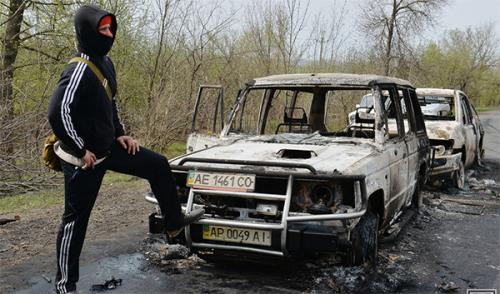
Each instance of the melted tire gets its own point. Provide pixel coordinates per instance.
(364, 241)
(417, 198)
(458, 177)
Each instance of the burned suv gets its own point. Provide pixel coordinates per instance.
(455, 131)
(289, 174)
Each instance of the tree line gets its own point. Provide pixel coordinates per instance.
(165, 49)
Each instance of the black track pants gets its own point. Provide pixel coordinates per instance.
(81, 188)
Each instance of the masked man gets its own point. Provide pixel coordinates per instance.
(92, 140)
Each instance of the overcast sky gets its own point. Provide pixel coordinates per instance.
(462, 13)
(458, 14)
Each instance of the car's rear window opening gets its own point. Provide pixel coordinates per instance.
(437, 107)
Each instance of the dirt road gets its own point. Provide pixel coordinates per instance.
(454, 242)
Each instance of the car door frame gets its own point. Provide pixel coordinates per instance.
(397, 153)
(469, 131)
(202, 139)
(476, 124)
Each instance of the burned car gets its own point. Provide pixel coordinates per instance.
(287, 174)
(454, 130)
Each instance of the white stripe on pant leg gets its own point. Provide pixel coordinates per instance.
(65, 255)
(62, 257)
(66, 259)
(61, 249)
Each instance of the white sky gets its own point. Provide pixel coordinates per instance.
(462, 13)
(458, 14)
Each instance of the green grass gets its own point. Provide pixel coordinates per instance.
(42, 199)
(487, 108)
(31, 200)
(175, 149)
(50, 197)
(113, 177)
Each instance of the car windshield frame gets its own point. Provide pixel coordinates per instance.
(379, 123)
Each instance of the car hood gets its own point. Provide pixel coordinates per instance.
(326, 155)
(442, 130)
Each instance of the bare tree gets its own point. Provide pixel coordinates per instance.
(274, 30)
(259, 30)
(394, 23)
(478, 46)
(290, 23)
(328, 35)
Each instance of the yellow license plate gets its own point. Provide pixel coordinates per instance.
(237, 235)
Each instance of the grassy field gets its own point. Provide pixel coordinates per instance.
(28, 201)
(175, 149)
(487, 108)
(46, 198)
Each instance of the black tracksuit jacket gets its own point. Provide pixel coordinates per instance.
(80, 112)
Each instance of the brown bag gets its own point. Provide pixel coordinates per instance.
(49, 157)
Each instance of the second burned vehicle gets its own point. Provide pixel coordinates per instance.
(288, 174)
(455, 131)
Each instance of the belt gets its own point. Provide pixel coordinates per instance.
(71, 159)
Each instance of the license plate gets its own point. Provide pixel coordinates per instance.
(221, 181)
(237, 235)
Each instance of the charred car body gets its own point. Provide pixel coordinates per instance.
(287, 174)
(455, 131)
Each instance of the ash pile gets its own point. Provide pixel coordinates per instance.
(170, 258)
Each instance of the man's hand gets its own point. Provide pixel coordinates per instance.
(89, 160)
(128, 143)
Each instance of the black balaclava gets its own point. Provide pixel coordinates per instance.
(90, 41)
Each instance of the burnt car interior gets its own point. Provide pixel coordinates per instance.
(308, 110)
(324, 110)
(294, 124)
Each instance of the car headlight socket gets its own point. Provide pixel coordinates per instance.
(318, 198)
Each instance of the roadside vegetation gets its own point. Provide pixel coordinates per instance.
(166, 48)
(18, 203)
(487, 108)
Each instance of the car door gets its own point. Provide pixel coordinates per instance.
(208, 118)
(469, 131)
(476, 124)
(397, 154)
(412, 144)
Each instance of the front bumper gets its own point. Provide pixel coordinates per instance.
(293, 232)
(445, 165)
(300, 239)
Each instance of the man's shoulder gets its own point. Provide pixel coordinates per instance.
(77, 68)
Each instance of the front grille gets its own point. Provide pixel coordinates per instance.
(231, 207)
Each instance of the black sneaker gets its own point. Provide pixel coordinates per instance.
(188, 219)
